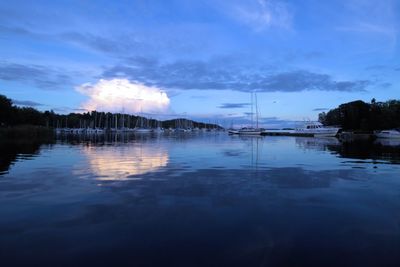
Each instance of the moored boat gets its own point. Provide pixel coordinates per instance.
(233, 131)
(142, 130)
(250, 131)
(317, 129)
(392, 134)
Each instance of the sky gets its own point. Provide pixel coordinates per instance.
(201, 60)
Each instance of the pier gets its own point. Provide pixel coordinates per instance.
(267, 133)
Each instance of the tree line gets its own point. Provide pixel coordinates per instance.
(358, 115)
(11, 115)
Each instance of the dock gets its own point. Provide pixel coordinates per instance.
(280, 133)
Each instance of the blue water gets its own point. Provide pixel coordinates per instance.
(200, 200)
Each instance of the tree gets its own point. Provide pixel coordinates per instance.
(358, 115)
(6, 110)
(322, 118)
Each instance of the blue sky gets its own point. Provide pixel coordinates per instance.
(200, 59)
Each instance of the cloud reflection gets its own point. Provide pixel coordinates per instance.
(124, 163)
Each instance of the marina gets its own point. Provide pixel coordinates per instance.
(256, 133)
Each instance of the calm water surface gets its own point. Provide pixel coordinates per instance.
(199, 200)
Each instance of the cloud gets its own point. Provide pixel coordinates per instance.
(15, 31)
(382, 68)
(385, 85)
(304, 80)
(26, 103)
(262, 14)
(238, 121)
(122, 95)
(102, 44)
(123, 43)
(42, 76)
(225, 75)
(362, 27)
(11, 71)
(105, 44)
(320, 109)
(234, 105)
(377, 67)
(80, 109)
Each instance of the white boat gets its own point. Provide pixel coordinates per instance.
(250, 131)
(317, 129)
(78, 130)
(392, 134)
(142, 130)
(233, 131)
(158, 130)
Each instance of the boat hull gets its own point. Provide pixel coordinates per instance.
(142, 130)
(325, 132)
(249, 132)
(388, 135)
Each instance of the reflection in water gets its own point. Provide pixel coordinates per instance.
(254, 144)
(206, 199)
(368, 150)
(13, 150)
(388, 142)
(124, 162)
(316, 143)
(381, 149)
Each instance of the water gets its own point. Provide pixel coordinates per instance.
(199, 200)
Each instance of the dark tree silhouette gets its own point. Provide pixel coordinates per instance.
(358, 115)
(6, 110)
(11, 115)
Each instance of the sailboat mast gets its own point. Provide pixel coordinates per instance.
(255, 98)
(251, 113)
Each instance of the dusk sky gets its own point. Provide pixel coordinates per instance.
(200, 59)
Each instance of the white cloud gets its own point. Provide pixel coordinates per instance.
(117, 95)
(262, 14)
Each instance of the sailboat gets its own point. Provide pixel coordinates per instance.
(141, 127)
(158, 128)
(252, 130)
(232, 130)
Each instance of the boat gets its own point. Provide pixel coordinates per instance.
(252, 130)
(142, 126)
(94, 131)
(392, 134)
(233, 131)
(317, 129)
(142, 130)
(158, 130)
